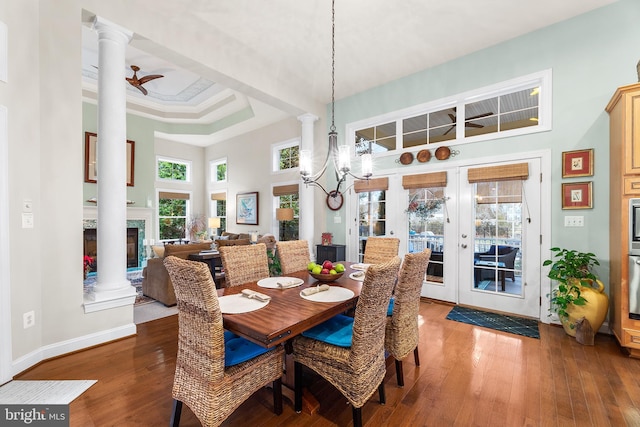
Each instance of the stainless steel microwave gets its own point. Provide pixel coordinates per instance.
(634, 226)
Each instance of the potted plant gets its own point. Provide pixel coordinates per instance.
(579, 292)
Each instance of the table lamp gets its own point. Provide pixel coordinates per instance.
(214, 224)
(282, 215)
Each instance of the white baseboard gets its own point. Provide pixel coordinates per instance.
(52, 350)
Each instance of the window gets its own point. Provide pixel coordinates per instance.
(219, 209)
(173, 209)
(174, 170)
(218, 170)
(514, 107)
(376, 139)
(286, 155)
(287, 197)
(289, 230)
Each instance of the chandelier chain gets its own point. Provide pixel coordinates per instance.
(333, 64)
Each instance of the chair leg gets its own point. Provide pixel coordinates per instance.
(297, 388)
(357, 416)
(416, 356)
(399, 373)
(277, 396)
(383, 398)
(176, 411)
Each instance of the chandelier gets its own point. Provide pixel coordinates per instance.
(340, 157)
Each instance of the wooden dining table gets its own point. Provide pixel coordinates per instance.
(287, 314)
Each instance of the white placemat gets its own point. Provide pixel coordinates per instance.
(357, 275)
(234, 304)
(334, 294)
(360, 267)
(272, 282)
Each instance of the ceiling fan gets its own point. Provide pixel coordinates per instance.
(467, 122)
(138, 82)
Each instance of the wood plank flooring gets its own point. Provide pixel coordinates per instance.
(469, 376)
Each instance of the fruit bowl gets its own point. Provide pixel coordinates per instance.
(326, 277)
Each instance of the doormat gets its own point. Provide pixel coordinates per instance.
(43, 392)
(500, 322)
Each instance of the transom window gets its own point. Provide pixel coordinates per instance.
(509, 108)
(174, 170)
(286, 155)
(218, 170)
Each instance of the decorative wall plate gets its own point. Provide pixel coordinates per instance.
(423, 156)
(406, 158)
(443, 153)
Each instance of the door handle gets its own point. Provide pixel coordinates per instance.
(463, 246)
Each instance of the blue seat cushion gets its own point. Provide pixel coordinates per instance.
(390, 306)
(238, 349)
(336, 331)
(229, 335)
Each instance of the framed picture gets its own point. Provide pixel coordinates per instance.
(90, 159)
(577, 195)
(577, 163)
(247, 208)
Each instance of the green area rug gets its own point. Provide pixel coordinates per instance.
(500, 322)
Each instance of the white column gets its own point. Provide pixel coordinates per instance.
(305, 194)
(112, 280)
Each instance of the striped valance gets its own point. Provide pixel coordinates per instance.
(499, 173)
(285, 190)
(173, 195)
(376, 184)
(424, 180)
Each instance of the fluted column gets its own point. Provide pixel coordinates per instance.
(112, 280)
(305, 194)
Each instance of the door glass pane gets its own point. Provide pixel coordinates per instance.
(498, 237)
(372, 217)
(426, 216)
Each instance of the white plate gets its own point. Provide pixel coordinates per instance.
(334, 294)
(272, 282)
(234, 304)
(361, 267)
(357, 276)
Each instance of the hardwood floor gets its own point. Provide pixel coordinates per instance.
(469, 376)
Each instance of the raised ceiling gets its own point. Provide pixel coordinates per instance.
(289, 41)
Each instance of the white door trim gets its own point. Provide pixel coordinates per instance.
(5, 277)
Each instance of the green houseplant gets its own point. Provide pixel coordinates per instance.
(579, 292)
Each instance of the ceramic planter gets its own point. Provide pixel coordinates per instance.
(595, 309)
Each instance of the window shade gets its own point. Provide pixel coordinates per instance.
(218, 196)
(499, 173)
(376, 184)
(424, 180)
(170, 195)
(285, 190)
(501, 192)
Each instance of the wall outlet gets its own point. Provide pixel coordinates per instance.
(29, 319)
(574, 221)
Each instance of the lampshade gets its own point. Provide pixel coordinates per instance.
(284, 214)
(214, 222)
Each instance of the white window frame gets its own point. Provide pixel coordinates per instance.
(543, 79)
(213, 208)
(188, 163)
(275, 154)
(213, 166)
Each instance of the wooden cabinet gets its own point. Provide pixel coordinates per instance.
(624, 146)
(332, 253)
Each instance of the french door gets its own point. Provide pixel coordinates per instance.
(499, 237)
(482, 224)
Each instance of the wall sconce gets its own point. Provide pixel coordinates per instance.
(282, 215)
(214, 224)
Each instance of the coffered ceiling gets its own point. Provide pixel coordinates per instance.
(288, 44)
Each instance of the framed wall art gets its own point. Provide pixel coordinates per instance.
(577, 195)
(577, 163)
(247, 208)
(90, 159)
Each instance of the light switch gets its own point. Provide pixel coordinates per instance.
(27, 220)
(27, 205)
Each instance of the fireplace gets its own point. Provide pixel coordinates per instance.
(90, 246)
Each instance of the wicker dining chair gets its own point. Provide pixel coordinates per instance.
(355, 368)
(380, 249)
(293, 255)
(216, 371)
(401, 335)
(244, 264)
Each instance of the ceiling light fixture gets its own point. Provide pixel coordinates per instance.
(339, 156)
